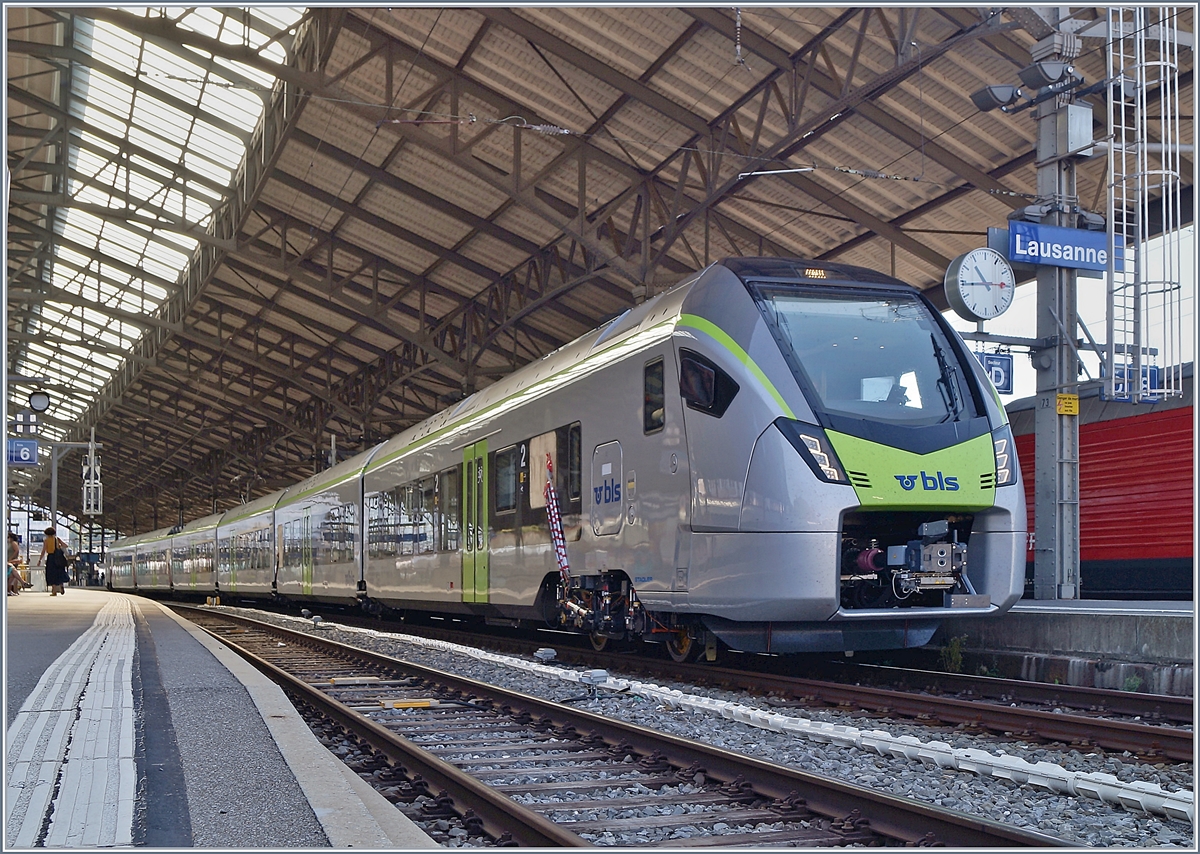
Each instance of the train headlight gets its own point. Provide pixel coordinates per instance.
(1006, 456)
(814, 447)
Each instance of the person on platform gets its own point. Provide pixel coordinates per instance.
(15, 582)
(54, 551)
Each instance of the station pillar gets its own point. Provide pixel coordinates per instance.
(1056, 426)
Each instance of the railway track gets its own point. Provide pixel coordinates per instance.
(1085, 718)
(535, 773)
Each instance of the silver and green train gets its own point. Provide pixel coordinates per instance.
(779, 455)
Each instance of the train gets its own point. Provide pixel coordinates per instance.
(775, 455)
(1136, 495)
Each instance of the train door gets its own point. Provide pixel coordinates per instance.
(278, 556)
(307, 557)
(475, 523)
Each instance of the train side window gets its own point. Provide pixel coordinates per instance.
(449, 508)
(574, 467)
(540, 447)
(654, 410)
(422, 516)
(505, 471)
(406, 505)
(380, 521)
(703, 385)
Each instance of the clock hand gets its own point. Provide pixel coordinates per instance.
(983, 278)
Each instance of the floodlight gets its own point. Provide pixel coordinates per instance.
(1044, 73)
(993, 97)
(39, 401)
(1032, 213)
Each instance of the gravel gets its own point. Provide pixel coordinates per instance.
(1079, 820)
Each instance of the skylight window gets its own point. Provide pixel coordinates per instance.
(159, 130)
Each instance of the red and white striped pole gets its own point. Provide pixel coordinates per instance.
(556, 529)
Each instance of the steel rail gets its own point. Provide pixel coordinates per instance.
(498, 813)
(903, 819)
(1071, 729)
(1145, 740)
(1099, 700)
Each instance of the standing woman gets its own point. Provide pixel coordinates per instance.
(15, 583)
(55, 553)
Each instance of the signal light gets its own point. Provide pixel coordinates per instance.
(820, 457)
(811, 443)
(1006, 456)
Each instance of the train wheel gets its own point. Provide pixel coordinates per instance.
(683, 647)
(599, 642)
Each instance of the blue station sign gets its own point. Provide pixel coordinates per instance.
(1123, 391)
(1031, 243)
(22, 452)
(999, 368)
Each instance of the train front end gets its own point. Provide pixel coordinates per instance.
(883, 495)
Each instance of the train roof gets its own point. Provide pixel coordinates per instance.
(141, 539)
(202, 524)
(814, 272)
(330, 477)
(251, 508)
(589, 351)
(155, 536)
(600, 345)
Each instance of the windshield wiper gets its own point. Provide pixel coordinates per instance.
(948, 384)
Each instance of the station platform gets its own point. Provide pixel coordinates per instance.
(1144, 646)
(120, 731)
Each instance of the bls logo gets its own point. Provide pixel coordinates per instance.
(908, 482)
(609, 491)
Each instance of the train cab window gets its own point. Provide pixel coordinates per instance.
(703, 385)
(654, 410)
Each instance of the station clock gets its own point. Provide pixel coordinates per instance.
(980, 284)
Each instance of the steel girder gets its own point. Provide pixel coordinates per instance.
(658, 225)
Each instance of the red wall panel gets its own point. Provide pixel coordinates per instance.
(1136, 486)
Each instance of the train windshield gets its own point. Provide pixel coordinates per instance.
(873, 355)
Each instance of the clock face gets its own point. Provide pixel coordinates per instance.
(980, 285)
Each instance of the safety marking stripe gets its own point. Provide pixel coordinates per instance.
(71, 747)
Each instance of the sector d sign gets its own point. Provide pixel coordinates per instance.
(999, 367)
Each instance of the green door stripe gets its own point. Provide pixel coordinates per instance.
(722, 337)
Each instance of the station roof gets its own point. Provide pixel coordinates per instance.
(235, 232)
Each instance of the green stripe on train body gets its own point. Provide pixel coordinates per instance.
(949, 479)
